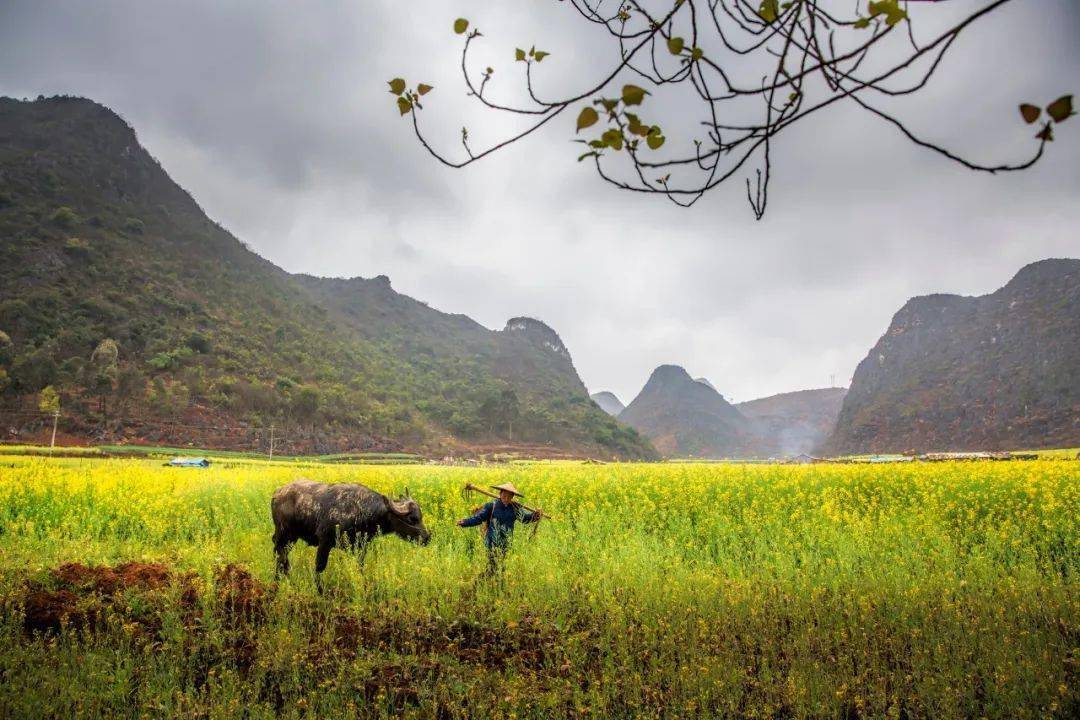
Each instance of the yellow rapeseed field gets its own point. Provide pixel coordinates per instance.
(945, 590)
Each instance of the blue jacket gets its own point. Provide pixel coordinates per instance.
(500, 519)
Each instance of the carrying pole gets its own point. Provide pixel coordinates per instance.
(482, 491)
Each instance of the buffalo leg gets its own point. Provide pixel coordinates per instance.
(281, 550)
(322, 556)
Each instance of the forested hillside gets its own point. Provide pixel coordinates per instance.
(117, 291)
(999, 371)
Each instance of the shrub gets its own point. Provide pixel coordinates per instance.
(135, 226)
(64, 217)
(198, 342)
(77, 246)
(170, 360)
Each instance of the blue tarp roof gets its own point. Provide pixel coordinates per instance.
(189, 462)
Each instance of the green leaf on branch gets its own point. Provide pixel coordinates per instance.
(890, 9)
(654, 141)
(519, 55)
(613, 139)
(635, 125)
(862, 23)
(633, 95)
(404, 105)
(540, 55)
(696, 54)
(769, 10)
(461, 25)
(586, 118)
(397, 86)
(591, 153)
(675, 45)
(424, 89)
(1046, 134)
(608, 104)
(1060, 108)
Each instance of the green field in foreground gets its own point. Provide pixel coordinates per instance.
(944, 590)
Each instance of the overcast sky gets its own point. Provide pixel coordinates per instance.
(276, 117)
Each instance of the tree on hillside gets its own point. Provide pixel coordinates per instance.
(499, 412)
(130, 388)
(754, 68)
(305, 404)
(49, 400)
(102, 372)
(6, 355)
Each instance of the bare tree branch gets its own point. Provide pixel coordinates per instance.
(813, 57)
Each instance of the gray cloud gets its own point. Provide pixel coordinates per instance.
(275, 117)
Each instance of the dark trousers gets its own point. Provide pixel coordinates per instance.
(496, 561)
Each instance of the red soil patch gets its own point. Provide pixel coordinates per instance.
(47, 611)
(81, 596)
(242, 599)
(110, 580)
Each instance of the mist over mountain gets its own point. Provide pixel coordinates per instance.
(608, 402)
(793, 423)
(995, 372)
(687, 418)
(998, 371)
(99, 248)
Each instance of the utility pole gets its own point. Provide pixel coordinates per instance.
(55, 420)
(271, 442)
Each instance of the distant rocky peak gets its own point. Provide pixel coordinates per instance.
(670, 373)
(1042, 272)
(538, 333)
(705, 381)
(675, 376)
(608, 402)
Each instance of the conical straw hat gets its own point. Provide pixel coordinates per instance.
(509, 487)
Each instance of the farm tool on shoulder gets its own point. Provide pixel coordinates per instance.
(471, 488)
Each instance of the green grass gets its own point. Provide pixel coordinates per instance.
(944, 590)
(168, 452)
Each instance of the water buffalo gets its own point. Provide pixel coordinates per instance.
(320, 514)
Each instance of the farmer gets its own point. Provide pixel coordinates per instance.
(500, 516)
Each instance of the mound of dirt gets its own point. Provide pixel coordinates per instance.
(47, 611)
(241, 598)
(111, 580)
(80, 596)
